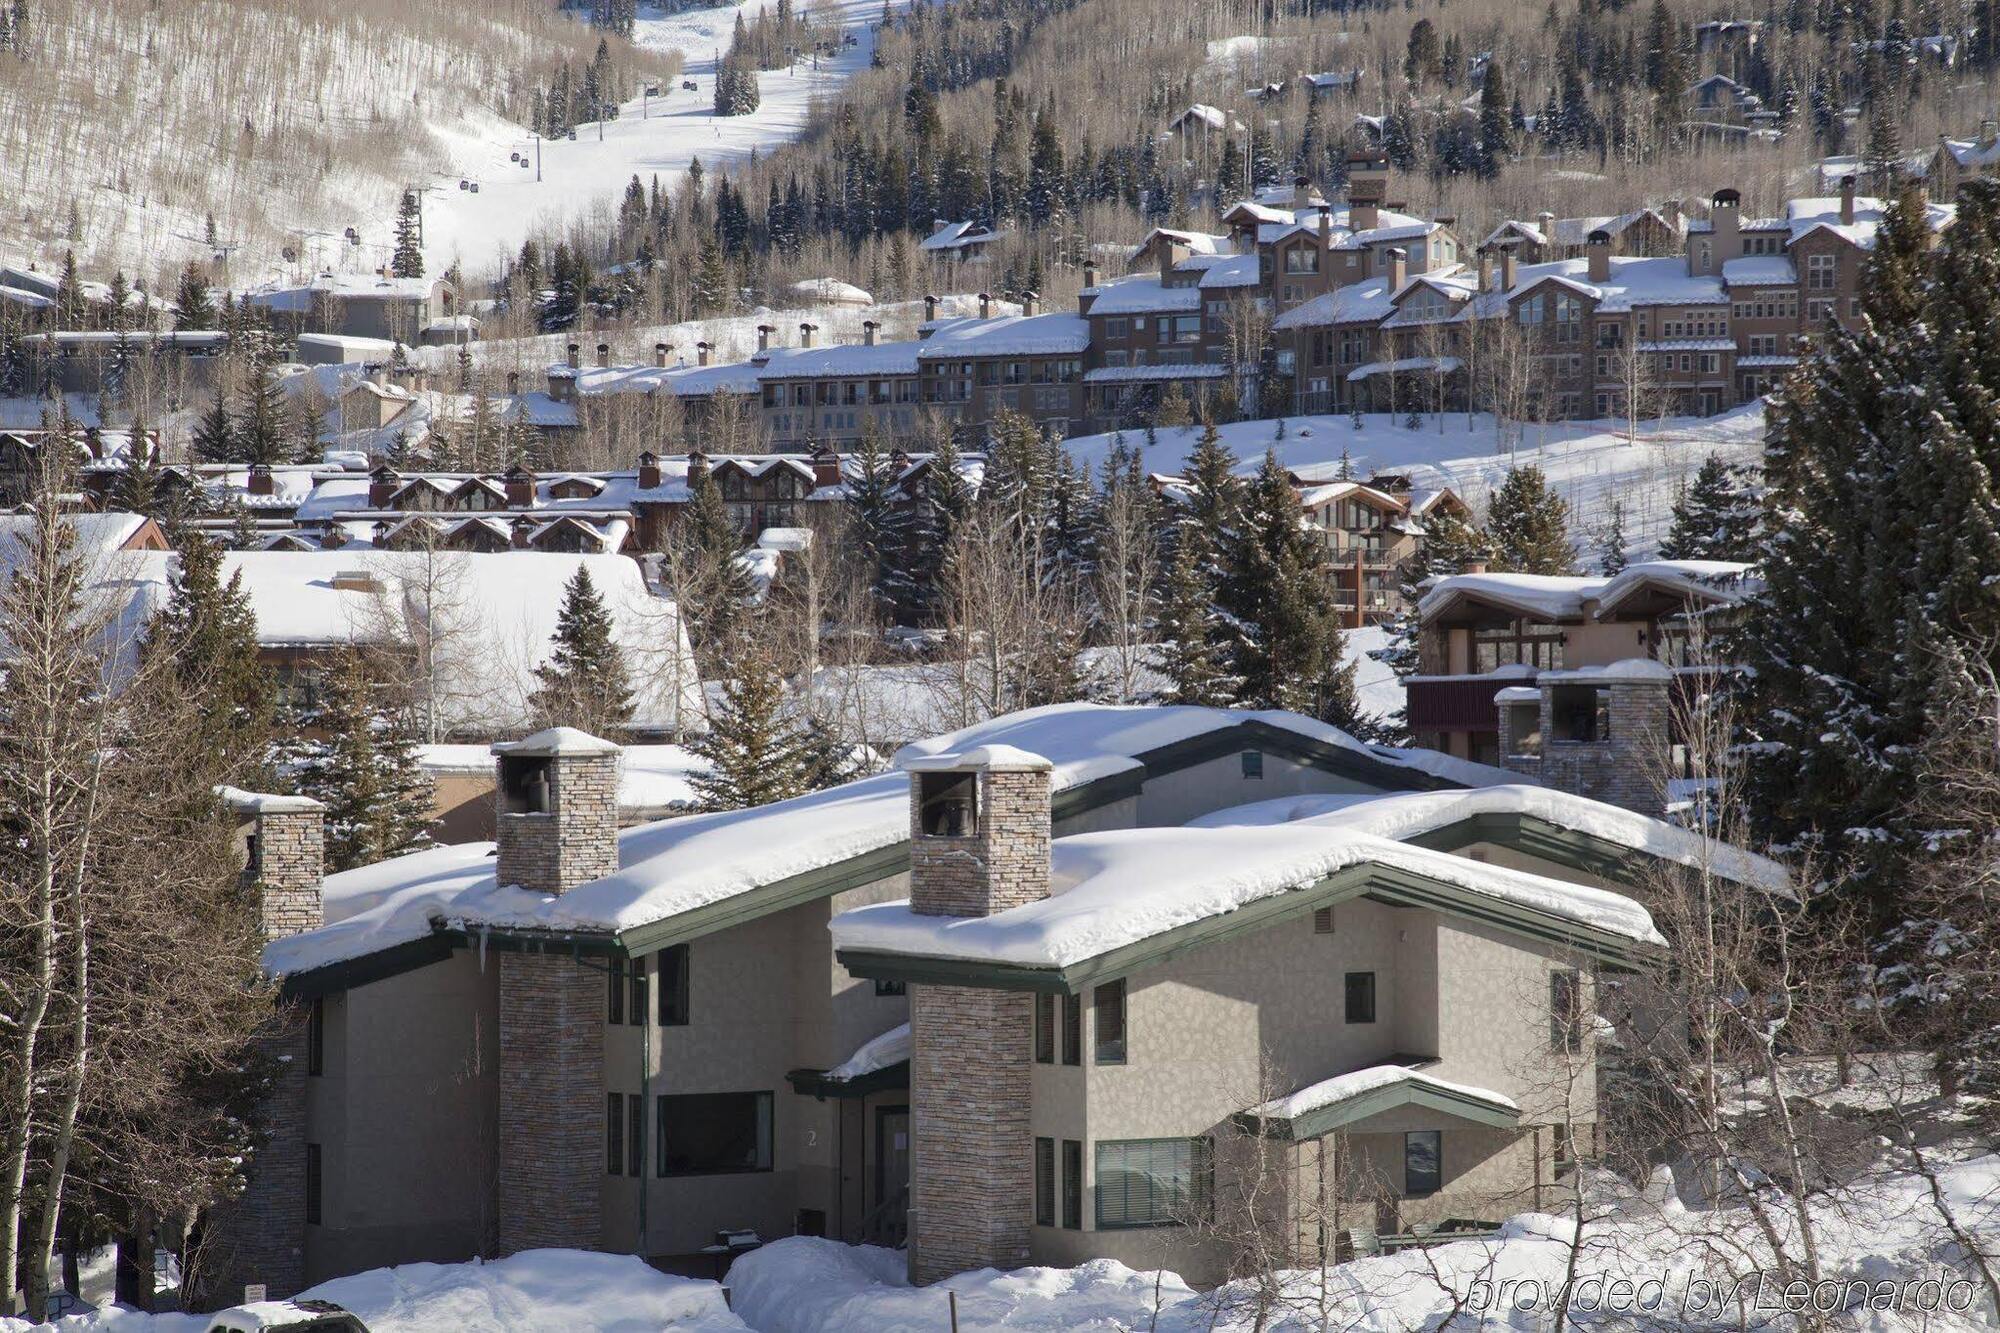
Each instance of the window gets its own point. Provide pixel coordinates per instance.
(635, 1134)
(614, 1133)
(1423, 1155)
(313, 1197)
(1109, 1002)
(674, 986)
(615, 1010)
(1253, 763)
(638, 1006)
(1302, 259)
(1072, 1006)
(1045, 1029)
(1323, 921)
(1045, 1182)
(1820, 272)
(887, 988)
(712, 1133)
(1072, 1184)
(316, 1038)
(1580, 713)
(1565, 1011)
(1361, 997)
(948, 805)
(1151, 1182)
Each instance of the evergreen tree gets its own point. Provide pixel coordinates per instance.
(878, 526)
(260, 433)
(1611, 540)
(361, 763)
(1190, 653)
(408, 261)
(1528, 525)
(584, 683)
(193, 307)
(208, 632)
(1495, 133)
(215, 435)
(755, 748)
(1715, 518)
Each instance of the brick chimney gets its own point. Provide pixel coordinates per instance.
(1090, 272)
(649, 470)
(868, 327)
(603, 355)
(1598, 249)
(260, 482)
(382, 485)
(521, 533)
(513, 382)
(764, 332)
(284, 846)
(1485, 268)
(930, 308)
(979, 844)
(573, 356)
(1399, 266)
(1506, 268)
(826, 467)
(806, 331)
(701, 351)
(660, 352)
(556, 808)
(985, 306)
(1847, 200)
(1031, 302)
(520, 487)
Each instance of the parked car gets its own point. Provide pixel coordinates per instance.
(292, 1316)
(688, 86)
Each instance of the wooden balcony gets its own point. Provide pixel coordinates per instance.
(1456, 703)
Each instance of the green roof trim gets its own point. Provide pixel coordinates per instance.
(1393, 885)
(435, 947)
(815, 1083)
(1323, 1120)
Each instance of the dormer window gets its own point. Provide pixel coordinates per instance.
(948, 805)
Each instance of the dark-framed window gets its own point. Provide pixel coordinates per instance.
(313, 1182)
(1152, 1182)
(1423, 1162)
(316, 1036)
(637, 1009)
(1109, 1002)
(1565, 1011)
(1045, 1182)
(674, 986)
(886, 988)
(614, 1133)
(1072, 1184)
(614, 1011)
(1072, 1036)
(712, 1133)
(1361, 997)
(635, 1134)
(1045, 1029)
(1253, 763)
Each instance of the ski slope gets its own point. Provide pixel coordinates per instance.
(661, 136)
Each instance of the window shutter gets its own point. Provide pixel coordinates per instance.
(1323, 921)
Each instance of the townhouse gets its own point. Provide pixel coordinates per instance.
(649, 1041)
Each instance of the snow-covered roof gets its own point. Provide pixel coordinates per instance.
(97, 534)
(829, 291)
(1357, 302)
(679, 865)
(1142, 294)
(1563, 597)
(883, 358)
(1006, 335)
(1759, 271)
(1186, 370)
(958, 236)
(1347, 1087)
(1441, 365)
(875, 1054)
(1224, 271)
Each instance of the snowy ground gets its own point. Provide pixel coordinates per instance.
(652, 136)
(1590, 464)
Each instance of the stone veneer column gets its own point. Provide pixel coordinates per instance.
(972, 1153)
(260, 1236)
(575, 838)
(551, 1142)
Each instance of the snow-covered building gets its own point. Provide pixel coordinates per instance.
(1644, 231)
(632, 1040)
(367, 305)
(958, 240)
(1580, 682)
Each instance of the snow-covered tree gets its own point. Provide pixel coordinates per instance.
(408, 260)
(1528, 525)
(584, 684)
(1715, 518)
(361, 763)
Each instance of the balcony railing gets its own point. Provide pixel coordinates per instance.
(1456, 703)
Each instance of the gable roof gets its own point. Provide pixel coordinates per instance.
(1320, 1108)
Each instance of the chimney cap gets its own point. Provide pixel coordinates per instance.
(266, 803)
(648, 456)
(983, 758)
(554, 742)
(1725, 199)
(1598, 236)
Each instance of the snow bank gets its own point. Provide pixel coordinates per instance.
(536, 1289)
(805, 1285)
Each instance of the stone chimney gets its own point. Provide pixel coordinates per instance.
(1598, 248)
(1367, 187)
(764, 332)
(1545, 223)
(806, 331)
(1989, 132)
(1090, 272)
(1474, 566)
(660, 351)
(1399, 264)
(1031, 303)
(868, 327)
(649, 470)
(284, 861)
(701, 351)
(979, 844)
(603, 355)
(930, 308)
(520, 486)
(1847, 200)
(985, 306)
(556, 808)
(1725, 215)
(1301, 192)
(1485, 268)
(382, 485)
(1506, 268)
(573, 355)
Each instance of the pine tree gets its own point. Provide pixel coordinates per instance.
(1528, 525)
(878, 526)
(208, 631)
(755, 748)
(193, 307)
(358, 758)
(408, 261)
(215, 435)
(260, 433)
(1190, 653)
(1611, 540)
(138, 489)
(1715, 518)
(584, 684)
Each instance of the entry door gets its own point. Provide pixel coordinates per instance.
(892, 1151)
